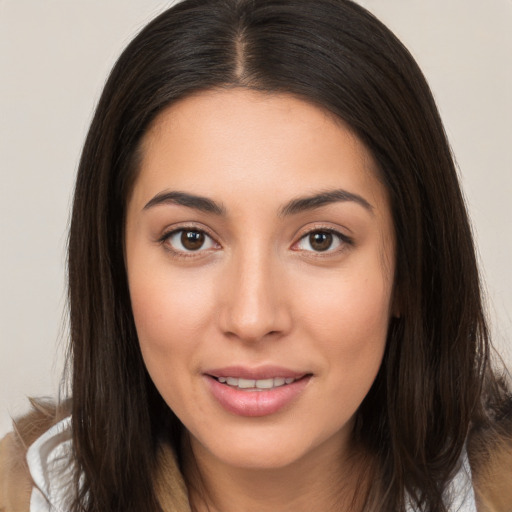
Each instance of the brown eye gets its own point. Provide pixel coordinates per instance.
(320, 240)
(192, 240)
(189, 240)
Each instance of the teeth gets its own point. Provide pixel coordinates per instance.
(266, 383)
(256, 384)
(246, 383)
(279, 381)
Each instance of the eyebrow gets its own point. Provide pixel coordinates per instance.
(303, 204)
(293, 207)
(189, 200)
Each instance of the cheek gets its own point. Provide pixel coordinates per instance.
(348, 320)
(170, 312)
(352, 309)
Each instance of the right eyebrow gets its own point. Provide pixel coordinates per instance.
(302, 204)
(189, 200)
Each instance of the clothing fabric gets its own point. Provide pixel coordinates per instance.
(49, 462)
(50, 465)
(460, 494)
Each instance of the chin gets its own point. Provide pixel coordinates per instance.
(259, 457)
(268, 448)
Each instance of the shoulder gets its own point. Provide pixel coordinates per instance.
(490, 455)
(16, 482)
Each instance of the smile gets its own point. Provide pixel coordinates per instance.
(256, 384)
(256, 392)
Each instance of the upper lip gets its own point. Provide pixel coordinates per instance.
(256, 373)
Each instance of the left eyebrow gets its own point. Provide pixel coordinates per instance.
(303, 204)
(200, 203)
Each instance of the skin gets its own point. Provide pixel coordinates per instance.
(258, 292)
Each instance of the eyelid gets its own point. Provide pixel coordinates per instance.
(344, 239)
(173, 230)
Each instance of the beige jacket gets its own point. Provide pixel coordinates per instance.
(16, 483)
(491, 469)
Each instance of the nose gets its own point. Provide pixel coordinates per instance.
(254, 299)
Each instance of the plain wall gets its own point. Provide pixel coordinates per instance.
(54, 58)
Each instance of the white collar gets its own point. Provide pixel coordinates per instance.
(460, 493)
(49, 461)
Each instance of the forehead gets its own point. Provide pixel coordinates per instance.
(244, 141)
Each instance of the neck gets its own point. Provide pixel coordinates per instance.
(327, 479)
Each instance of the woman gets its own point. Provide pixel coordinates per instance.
(274, 296)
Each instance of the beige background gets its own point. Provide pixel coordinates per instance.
(54, 58)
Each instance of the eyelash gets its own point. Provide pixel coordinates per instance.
(177, 253)
(343, 241)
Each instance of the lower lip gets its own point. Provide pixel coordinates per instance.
(256, 403)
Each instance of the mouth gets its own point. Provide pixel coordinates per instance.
(256, 384)
(256, 392)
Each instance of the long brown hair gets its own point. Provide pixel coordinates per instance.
(429, 390)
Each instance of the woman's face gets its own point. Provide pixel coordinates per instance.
(260, 258)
